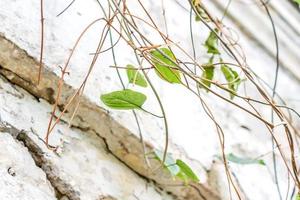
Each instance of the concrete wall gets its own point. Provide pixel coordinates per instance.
(100, 156)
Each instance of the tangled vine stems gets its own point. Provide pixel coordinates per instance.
(120, 20)
(267, 98)
(274, 92)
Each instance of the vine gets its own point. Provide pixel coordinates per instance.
(174, 65)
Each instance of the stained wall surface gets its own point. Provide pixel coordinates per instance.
(100, 155)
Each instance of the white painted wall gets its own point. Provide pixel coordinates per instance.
(193, 135)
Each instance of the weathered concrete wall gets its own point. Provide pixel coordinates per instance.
(83, 168)
(101, 155)
(91, 119)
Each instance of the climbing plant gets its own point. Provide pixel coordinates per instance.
(175, 65)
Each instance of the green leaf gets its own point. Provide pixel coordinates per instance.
(186, 172)
(177, 169)
(211, 43)
(208, 73)
(201, 14)
(244, 161)
(182, 176)
(135, 77)
(124, 99)
(298, 195)
(169, 163)
(164, 65)
(298, 2)
(232, 78)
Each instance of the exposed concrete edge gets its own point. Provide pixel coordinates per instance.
(22, 69)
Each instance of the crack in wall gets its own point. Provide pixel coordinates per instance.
(61, 188)
(106, 198)
(63, 191)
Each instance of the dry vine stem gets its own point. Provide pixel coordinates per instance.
(120, 20)
(42, 40)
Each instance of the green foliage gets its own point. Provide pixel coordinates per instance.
(211, 43)
(208, 73)
(186, 171)
(135, 77)
(298, 197)
(202, 15)
(177, 169)
(231, 76)
(124, 99)
(233, 79)
(169, 163)
(298, 2)
(244, 161)
(165, 65)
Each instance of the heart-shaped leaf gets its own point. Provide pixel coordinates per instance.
(165, 65)
(211, 43)
(232, 78)
(135, 77)
(177, 169)
(208, 73)
(169, 163)
(244, 161)
(186, 172)
(124, 99)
